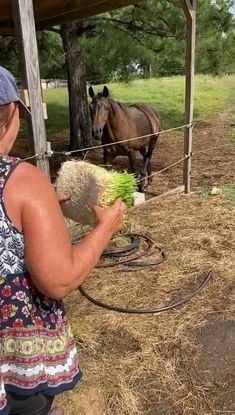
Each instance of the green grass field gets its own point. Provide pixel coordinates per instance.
(212, 95)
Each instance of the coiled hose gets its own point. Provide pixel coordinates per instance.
(129, 256)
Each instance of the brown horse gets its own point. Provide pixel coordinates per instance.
(113, 122)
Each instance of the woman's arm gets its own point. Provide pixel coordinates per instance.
(55, 265)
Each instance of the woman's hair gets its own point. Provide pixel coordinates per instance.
(5, 117)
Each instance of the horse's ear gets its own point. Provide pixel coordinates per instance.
(91, 92)
(105, 92)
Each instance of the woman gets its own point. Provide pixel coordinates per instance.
(38, 267)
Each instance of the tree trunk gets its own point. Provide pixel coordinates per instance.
(79, 116)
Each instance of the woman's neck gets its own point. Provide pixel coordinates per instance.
(4, 147)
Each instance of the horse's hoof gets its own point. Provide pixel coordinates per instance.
(57, 411)
(148, 185)
(140, 188)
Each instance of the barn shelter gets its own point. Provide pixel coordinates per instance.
(22, 18)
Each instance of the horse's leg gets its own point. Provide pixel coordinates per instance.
(132, 156)
(148, 157)
(144, 153)
(140, 181)
(107, 158)
(143, 174)
(149, 170)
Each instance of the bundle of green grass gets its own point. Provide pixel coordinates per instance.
(87, 185)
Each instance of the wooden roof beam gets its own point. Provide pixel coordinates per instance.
(45, 19)
(83, 12)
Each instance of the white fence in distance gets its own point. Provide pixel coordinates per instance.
(54, 83)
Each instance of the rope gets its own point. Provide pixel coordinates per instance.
(153, 174)
(192, 124)
(185, 157)
(68, 153)
(165, 168)
(31, 157)
(226, 162)
(87, 149)
(110, 144)
(160, 171)
(213, 148)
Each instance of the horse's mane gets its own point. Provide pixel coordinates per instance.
(149, 112)
(114, 104)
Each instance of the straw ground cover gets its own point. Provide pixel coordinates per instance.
(179, 362)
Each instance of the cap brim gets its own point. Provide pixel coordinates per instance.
(24, 107)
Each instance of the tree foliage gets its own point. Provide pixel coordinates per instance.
(51, 55)
(145, 39)
(215, 37)
(148, 39)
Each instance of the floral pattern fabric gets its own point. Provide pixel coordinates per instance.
(11, 240)
(37, 349)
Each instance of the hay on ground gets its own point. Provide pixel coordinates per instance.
(148, 364)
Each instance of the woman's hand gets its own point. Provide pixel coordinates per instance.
(62, 198)
(112, 216)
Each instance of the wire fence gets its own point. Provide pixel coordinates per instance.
(85, 150)
(165, 168)
(68, 153)
(187, 156)
(32, 157)
(194, 124)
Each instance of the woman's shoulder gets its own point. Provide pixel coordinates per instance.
(27, 182)
(29, 175)
(25, 168)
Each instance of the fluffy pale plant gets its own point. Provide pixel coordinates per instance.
(87, 185)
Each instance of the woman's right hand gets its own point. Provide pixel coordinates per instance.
(111, 216)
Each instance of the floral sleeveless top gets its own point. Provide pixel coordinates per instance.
(37, 349)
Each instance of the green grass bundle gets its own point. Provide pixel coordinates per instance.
(88, 184)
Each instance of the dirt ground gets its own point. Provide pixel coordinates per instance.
(179, 362)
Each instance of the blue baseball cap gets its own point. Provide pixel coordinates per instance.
(8, 89)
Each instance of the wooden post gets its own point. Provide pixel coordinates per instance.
(189, 7)
(28, 52)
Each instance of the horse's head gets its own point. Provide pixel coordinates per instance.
(99, 108)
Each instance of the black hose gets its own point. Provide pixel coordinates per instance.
(120, 252)
(131, 264)
(148, 310)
